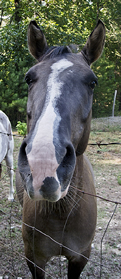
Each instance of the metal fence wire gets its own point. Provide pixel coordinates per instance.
(100, 265)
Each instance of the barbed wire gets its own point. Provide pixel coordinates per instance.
(103, 144)
(101, 249)
(97, 196)
(98, 143)
(11, 134)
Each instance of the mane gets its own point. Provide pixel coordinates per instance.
(56, 51)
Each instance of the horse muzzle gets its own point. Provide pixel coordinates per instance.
(45, 176)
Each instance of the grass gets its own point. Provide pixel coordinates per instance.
(106, 124)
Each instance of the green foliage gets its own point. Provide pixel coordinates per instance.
(104, 92)
(63, 22)
(21, 128)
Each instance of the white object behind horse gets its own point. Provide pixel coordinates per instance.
(6, 148)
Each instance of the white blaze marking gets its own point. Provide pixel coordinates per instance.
(42, 159)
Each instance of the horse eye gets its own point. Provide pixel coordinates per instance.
(28, 80)
(93, 84)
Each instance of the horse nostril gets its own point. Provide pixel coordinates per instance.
(23, 165)
(22, 155)
(66, 168)
(69, 158)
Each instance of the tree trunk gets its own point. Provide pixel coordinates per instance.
(17, 13)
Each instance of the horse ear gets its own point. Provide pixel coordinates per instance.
(95, 43)
(36, 40)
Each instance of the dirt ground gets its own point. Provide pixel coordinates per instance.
(104, 262)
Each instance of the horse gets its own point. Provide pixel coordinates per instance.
(6, 149)
(54, 173)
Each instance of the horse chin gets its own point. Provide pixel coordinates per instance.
(64, 193)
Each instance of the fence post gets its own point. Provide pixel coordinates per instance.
(114, 103)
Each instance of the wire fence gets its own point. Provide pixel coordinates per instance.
(100, 263)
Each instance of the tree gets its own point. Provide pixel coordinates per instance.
(14, 62)
(63, 22)
(108, 68)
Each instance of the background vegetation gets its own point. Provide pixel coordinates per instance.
(63, 22)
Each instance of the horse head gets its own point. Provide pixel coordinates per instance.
(60, 96)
